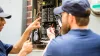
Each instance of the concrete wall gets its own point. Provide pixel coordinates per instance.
(12, 29)
(16, 25)
(95, 23)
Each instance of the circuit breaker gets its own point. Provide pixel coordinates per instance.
(44, 9)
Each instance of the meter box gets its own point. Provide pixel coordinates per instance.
(44, 9)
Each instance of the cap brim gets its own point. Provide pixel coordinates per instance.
(4, 15)
(58, 10)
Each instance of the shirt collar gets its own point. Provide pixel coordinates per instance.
(80, 31)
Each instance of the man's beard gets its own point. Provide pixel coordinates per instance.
(65, 30)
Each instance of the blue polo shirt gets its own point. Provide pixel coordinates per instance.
(75, 43)
(5, 49)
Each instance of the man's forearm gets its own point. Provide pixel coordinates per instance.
(24, 37)
(17, 47)
(21, 53)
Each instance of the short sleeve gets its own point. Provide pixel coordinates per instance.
(8, 47)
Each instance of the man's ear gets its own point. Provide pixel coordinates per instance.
(74, 20)
(70, 18)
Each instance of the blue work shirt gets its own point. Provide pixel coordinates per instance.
(5, 49)
(75, 43)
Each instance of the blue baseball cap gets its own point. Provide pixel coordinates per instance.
(4, 15)
(74, 7)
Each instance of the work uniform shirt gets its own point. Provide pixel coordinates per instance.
(5, 49)
(75, 43)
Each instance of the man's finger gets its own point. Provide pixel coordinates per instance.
(48, 31)
(27, 41)
(52, 30)
(30, 42)
(37, 19)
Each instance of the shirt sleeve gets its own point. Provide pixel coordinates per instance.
(8, 47)
(50, 49)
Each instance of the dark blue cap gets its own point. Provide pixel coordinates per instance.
(74, 7)
(4, 15)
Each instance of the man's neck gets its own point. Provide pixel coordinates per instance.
(77, 27)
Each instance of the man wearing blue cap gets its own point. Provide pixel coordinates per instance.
(79, 40)
(19, 47)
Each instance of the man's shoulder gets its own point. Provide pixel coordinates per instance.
(58, 43)
(63, 37)
(95, 35)
(1, 43)
(59, 40)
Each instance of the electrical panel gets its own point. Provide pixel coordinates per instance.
(44, 9)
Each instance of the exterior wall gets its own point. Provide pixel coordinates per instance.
(29, 12)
